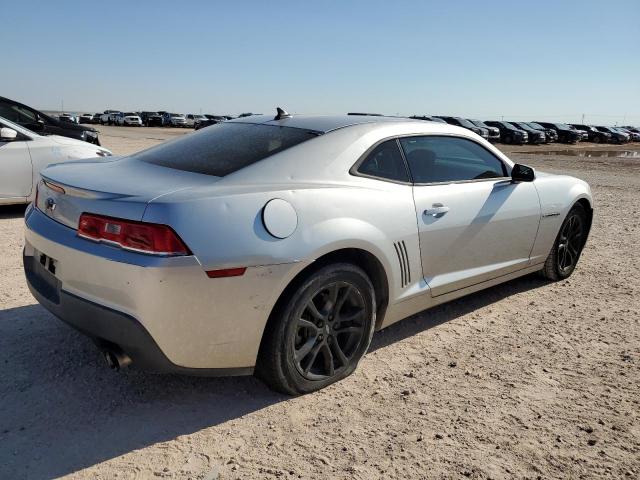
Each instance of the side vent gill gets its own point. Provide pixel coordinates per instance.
(403, 260)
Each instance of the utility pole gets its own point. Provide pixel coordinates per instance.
(582, 119)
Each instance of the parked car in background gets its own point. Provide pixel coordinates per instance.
(68, 118)
(192, 118)
(108, 117)
(173, 120)
(536, 137)
(566, 134)
(128, 119)
(633, 136)
(151, 119)
(494, 132)
(616, 137)
(85, 118)
(209, 120)
(24, 153)
(427, 118)
(96, 118)
(550, 133)
(631, 128)
(593, 134)
(464, 123)
(43, 124)
(248, 250)
(509, 133)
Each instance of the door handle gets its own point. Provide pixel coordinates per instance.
(436, 210)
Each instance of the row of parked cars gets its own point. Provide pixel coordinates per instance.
(519, 133)
(153, 119)
(492, 130)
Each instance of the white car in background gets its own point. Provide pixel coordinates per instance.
(174, 119)
(192, 118)
(24, 153)
(128, 119)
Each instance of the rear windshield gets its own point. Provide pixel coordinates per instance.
(224, 148)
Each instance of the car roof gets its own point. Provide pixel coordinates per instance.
(321, 123)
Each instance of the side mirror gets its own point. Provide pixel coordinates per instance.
(522, 173)
(39, 126)
(8, 134)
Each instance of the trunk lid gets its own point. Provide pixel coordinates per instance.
(115, 187)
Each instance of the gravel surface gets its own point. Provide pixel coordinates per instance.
(524, 380)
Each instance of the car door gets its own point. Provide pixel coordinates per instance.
(474, 223)
(15, 169)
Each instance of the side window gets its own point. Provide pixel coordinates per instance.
(385, 161)
(16, 114)
(7, 112)
(25, 116)
(434, 159)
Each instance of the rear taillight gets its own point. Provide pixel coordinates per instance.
(150, 238)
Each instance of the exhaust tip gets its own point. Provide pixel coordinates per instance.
(116, 359)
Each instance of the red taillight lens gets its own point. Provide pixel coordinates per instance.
(142, 237)
(227, 272)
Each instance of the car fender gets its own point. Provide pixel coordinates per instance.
(558, 194)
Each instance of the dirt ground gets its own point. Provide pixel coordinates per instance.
(524, 380)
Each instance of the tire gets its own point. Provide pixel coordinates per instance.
(309, 342)
(564, 255)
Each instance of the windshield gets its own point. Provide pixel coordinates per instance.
(465, 123)
(224, 148)
(174, 115)
(131, 114)
(508, 125)
(479, 123)
(25, 131)
(536, 126)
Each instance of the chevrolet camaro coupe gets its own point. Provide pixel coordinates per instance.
(278, 245)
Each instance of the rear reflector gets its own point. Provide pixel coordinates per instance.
(227, 272)
(150, 238)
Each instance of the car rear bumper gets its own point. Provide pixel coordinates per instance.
(164, 312)
(109, 328)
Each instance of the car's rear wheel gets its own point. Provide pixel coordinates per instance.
(564, 255)
(320, 332)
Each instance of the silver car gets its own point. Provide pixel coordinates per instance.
(278, 245)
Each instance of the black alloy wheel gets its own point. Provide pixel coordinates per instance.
(564, 255)
(319, 330)
(570, 243)
(329, 329)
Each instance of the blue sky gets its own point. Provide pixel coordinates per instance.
(539, 59)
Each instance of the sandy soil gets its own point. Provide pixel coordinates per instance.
(525, 380)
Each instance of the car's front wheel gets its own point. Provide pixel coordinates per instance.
(564, 255)
(320, 332)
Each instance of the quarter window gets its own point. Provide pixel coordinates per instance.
(434, 159)
(385, 161)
